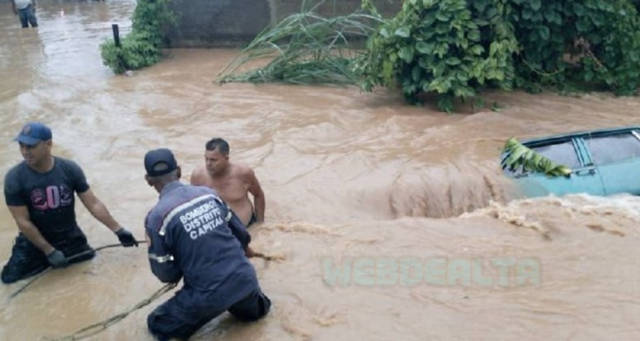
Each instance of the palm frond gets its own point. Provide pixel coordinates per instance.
(304, 48)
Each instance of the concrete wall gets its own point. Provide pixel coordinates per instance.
(216, 23)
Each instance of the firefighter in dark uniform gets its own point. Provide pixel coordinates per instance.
(193, 235)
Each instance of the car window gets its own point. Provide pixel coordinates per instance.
(562, 153)
(613, 148)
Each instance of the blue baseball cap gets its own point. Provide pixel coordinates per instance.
(32, 133)
(159, 162)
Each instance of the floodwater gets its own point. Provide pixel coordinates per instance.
(391, 222)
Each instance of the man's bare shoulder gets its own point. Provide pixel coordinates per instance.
(199, 176)
(242, 170)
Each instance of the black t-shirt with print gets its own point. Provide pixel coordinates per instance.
(49, 197)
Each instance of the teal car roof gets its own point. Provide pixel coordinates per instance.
(562, 137)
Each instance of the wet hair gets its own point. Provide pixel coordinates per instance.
(218, 143)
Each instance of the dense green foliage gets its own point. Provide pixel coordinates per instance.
(587, 44)
(456, 48)
(141, 47)
(446, 46)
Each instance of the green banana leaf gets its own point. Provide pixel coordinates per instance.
(517, 155)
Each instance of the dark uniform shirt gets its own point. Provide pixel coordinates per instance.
(49, 198)
(194, 235)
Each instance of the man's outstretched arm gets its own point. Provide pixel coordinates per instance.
(100, 212)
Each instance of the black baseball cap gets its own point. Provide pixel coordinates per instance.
(33, 133)
(159, 162)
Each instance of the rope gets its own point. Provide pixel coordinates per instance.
(103, 325)
(77, 255)
(99, 327)
(267, 257)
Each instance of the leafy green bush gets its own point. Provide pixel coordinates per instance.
(607, 34)
(141, 47)
(456, 48)
(448, 47)
(542, 42)
(588, 44)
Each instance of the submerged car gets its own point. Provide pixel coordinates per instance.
(602, 162)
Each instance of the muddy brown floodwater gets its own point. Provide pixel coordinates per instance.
(393, 222)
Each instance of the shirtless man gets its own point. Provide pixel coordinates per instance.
(232, 181)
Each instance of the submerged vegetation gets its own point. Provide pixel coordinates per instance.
(457, 48)
(141, 47)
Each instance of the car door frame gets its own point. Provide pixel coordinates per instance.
(602, 169)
